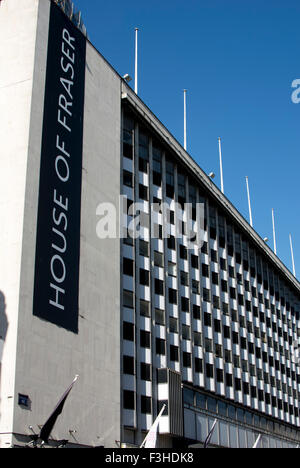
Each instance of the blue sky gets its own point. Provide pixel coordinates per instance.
(238, 60)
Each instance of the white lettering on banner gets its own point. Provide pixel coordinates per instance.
(59, 245)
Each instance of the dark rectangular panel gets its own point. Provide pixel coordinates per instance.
(56, 288)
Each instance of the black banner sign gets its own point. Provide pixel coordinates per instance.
(58, 229)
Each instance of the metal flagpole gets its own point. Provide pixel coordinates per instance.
(221, 165)
(257, 442)
(136, 61)
(249, 202)
(185, 137)
(292, 252)
(210, 434)
(274, 232)
(150, 439)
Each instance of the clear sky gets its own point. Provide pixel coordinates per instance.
(238, 59)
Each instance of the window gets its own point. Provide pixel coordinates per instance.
(195, 287)
(216, 302)
(128, 137)
(128, 331)
(194, 261)
(185, 304)
(172, 296)
(184, 278)
(146, 372)
(174, 353)
(197, 339)
(186, 332)
(145, 339)
(158, 259)
(198, 365)
(207, 319)
(214, 256)
(128, 178)
(171, 243)
(144, 308)
(146, 405)
(215, 278)
(173, 325)
(144, 248)
(183, 252)
(210, 371)
(218, 351)
(160, 346)
(159, 317)
(205, 270)
(128, 299)
(159, 287)
(206, 295)
(186, 359)
(220, 375)
(196, 312)
(208, 345)
(128, 365)
(144, 277)
(128, 267)
(143, 192)
(128, 400)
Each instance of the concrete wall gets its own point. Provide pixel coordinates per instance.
(47, 356)
(17, 45)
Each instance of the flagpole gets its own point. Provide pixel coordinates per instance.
(154, 426)
(292, 253)
(249, 202)
(221, 165)
(136, 61)
(210, 434)
(257, 442)
(184, 118)
(274, 232)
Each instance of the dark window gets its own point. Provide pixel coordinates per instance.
(145, 339)
(128, 365)
(128, 299)
(209, 370)
(159, 287)
(143, 192)
(198, 365)
(146, 406)
(128, 331)
(160, 346)
(128, 400)
(186, 359)
(172, 296)
(144, 277)
(146, 371)
(128, 178)
(128, 266)
(194, 261)
(220, 375)
(196, 312)
(205, 270)
(185, 304)
(174, 353)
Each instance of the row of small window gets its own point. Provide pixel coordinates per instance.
(224, 409)
(236, 245)
(217, 349)
(129, 402)
(128, 301)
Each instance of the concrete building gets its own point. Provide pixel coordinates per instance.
(208, 329)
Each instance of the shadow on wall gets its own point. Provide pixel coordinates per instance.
(3, 327)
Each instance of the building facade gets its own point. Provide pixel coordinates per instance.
(194, 312)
